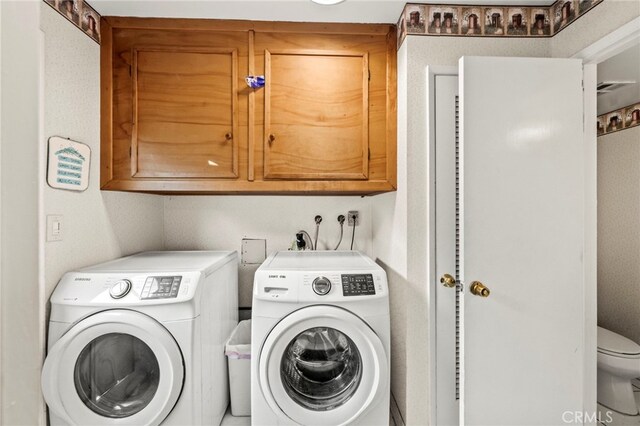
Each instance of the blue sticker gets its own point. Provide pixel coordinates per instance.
(255, 81)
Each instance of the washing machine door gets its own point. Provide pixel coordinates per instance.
(116, 367)
(322, 365)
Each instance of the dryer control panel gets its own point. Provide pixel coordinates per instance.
(358, 285)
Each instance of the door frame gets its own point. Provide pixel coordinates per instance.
(602, 47)
(431, 73)
(599, 51)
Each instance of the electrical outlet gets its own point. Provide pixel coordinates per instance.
(353, 218)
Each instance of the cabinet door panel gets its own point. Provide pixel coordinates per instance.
(185, 113)
(316, 115)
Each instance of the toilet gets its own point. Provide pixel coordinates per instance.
(618, 364)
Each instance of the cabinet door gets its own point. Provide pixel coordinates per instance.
(316, 115)
(185, 113)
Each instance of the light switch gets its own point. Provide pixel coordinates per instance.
(54, 227)
(253, 251)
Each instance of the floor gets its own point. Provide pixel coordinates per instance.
(229, 420)
(611, 418)
(606, 416)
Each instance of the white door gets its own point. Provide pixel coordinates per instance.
(323, 365)
(522, 222)
(116, 367)
(447, 296)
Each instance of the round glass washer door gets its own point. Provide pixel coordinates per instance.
(114, 367)
(322, 365)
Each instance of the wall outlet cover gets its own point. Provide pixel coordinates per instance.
(350, 220)
(254, 251)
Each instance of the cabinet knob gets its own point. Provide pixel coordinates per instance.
(272, 138)
(228, 136)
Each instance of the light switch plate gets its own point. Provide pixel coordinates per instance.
(54, 227)
(253, 251)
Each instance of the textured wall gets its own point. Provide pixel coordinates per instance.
(595, 24)
(619, 232)
(21, 403)
(390, 247)
(98, 226)
(221, 222)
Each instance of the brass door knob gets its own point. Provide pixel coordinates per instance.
(228, 136)
(271, 139)
(479, 289)
(448, 281)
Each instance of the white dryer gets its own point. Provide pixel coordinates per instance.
(139, 340)
(320, 339)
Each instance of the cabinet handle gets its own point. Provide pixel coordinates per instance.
(228, 136)
(272, 138)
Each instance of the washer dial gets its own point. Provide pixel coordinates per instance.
(321, 286)
(120, 289)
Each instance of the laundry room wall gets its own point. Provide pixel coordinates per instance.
(604, 18)
(97, 226)
(401, 217)
(20, 326)
(619, 232)
(221, 222)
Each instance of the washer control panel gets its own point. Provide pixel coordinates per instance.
(165, 287)
(321, 286)
(358, 285)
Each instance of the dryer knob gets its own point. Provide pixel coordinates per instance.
(321, 285)
(120, 289)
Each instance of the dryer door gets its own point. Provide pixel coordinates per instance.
(322, 365)
(116, 367)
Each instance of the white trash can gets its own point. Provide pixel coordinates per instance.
(238, 352)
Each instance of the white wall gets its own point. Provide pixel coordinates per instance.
(619, 232)
(402, 217)
(20, 295)
(98, 226)
(221, 222)
(50, 86)
(390, 246)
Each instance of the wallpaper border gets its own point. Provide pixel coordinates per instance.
(446, 20)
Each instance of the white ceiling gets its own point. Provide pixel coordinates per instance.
(357, 11)
(623, 66)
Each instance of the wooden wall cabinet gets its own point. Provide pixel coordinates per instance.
(178, 118)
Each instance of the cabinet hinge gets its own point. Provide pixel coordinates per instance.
(369, 74)
(369, 154)
(129, 152)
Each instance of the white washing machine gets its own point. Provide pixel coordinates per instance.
(139, 340)
(320, 340)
